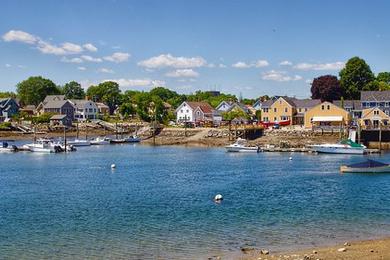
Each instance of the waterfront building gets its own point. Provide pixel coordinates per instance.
(85, 109)
(194, 112)
(224, 106)
(354, 107)
(327, 116)
(380, 99)
(58, 107)
(374, 117)
(8, 108)
(103, 108)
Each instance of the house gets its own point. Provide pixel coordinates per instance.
(194, 112)
(354, 107)
(29, 110)
(103, 108)
(286, 109)
(48, 98)
(374, 117)
(85, 109)
(327, 115)
(58, 107)
(224, 106)
(380, 99)
(8, 108)
(60, 120)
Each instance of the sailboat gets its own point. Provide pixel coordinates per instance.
(80, 142)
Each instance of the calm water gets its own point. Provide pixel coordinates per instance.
(158, 203)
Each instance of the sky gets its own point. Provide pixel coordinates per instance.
(251, 48)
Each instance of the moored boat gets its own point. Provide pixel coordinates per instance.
(343, 147)
(240, 147)
(6, 148)
(133, 139)
(369, 166)
(100, 141)
(43, 146)
(79, 142)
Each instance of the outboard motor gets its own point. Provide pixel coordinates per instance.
(14, 148)
(5, 144)
(57, 149)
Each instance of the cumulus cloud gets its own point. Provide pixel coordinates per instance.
(137, 82)
(182, 73)
(72, 60)
(90, 47)
(46, 47)
(280, 76)
(285, 63)
(81, 68)
(320, 66)
(261, 63)
(167, 60)
(91, 59)
(20, 36)
(7, 65)
(105, 70)
(241, 65)
(118, 57)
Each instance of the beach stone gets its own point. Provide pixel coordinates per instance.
(315, 252)
(372, 250)
(264, 252)
(342, 249)
(347, 244)
(246, 250)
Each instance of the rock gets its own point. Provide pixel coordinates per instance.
(347, 244)
(372, 250)
(264, 252)
(342, 249)
(246, 250)
(315, 252)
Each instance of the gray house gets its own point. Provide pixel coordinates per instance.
(381, 99)
(8, 108)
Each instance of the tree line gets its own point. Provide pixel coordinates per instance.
(356, 76)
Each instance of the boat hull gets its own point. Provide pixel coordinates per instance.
(242, 149)
(337, 150)
(79, 143)
(382, 169)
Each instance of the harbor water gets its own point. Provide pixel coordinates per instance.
(158, 202)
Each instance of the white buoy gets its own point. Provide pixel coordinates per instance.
(218, 197)
(290, 158)
(113, 166)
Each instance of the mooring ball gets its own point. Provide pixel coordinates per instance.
(113, 166)
(218, 197)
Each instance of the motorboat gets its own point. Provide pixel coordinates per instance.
(369, 166)
(118, 141)
(343, 147)
(79, 142)
(133, 139)
(100, 141)
(240, 146)
(43, 146)
(6, 148)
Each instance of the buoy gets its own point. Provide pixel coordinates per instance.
(290, 158)
(113, 166)
(218, 197)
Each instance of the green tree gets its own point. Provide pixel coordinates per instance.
(7, 94)
(127, 109)
(107, 92)
(73, 90)
(33, 90)
(384, 77)
(355, 77)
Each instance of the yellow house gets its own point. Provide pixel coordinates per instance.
(327, 114)
(372, 117)
(282, 109)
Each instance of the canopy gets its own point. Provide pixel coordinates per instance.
(367, 164)
(327, 119)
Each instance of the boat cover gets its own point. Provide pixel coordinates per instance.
(367, 164)
(351, 143)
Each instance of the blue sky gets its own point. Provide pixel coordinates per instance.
(252, 47)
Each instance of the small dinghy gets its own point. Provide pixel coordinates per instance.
(369, 166)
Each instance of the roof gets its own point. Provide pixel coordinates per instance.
(375, 95)
(306, 103)
(57, 117)
(55, 104)
(49, 98)
(202, 105)
(268, 103)
(289, 100)
(353, 104)
(79, 103)
(99, 104)
(368, 164)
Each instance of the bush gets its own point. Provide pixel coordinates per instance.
(5, 125)
(44, 118)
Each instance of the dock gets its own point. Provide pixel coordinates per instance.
(306, 150)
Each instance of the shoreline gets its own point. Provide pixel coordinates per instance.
(367, 249)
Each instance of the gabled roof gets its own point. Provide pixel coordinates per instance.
(267, 104)
(306, 103)
(240, 106)
(353, 104)
(55, 104)
(229, 103)
(49, 98)
(289, 100)
(368, 111)
(80, 103)
(375, 95)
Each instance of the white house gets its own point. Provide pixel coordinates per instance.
(85, 109)
(224, 106)
(194, 112)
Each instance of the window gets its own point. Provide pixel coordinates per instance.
(387, 104)
(364, 104)
(274, 118)
(265, 110)
(286, 110)
(198, 113)
(328, 107)
(265, 119)
(181, 111)
(275, 109)
(322, 107)
(387, 112)
(305, 109)
(372, 104)
(299, 110)
(376, 112)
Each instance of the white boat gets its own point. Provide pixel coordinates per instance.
(43, 146)
(133, 139)
(5, 148)
(100, 141)
(79, 142)
(240, 147)
(343, 147)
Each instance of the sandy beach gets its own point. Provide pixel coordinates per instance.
(350, 250)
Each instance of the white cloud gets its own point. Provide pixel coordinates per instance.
(320, 66)
(91, 59)
(72, 60)
(222, 65)
(261, 63)
(241, 65)
(21, 66)
(280, 76)
(90, 47)
(137, 82)
(81, 68)
(8, 65)
(72, 48)
(285, 63)
(118, 57)
(105, 70)
(167, 60)
(20, 36)
(182, 73)
(48, 48)
(309, 81)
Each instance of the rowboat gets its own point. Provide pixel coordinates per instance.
(240, 147)
(369, 166)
